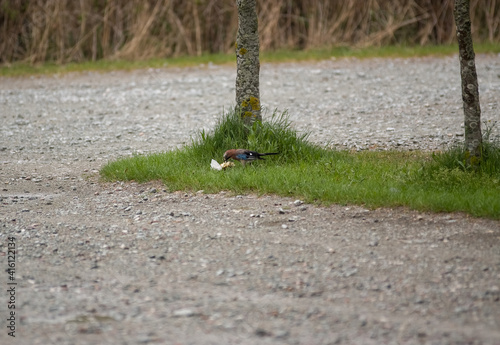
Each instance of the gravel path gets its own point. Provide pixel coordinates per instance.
(114, 263)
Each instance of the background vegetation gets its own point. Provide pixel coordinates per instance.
(73, 31)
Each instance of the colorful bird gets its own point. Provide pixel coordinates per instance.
(245, 156)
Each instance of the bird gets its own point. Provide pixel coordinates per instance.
(244, 156)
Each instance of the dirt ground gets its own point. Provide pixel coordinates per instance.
(128, 263)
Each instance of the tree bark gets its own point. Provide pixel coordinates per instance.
(247, 62)
(470, 87)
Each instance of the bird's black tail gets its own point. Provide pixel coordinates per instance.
(269, 153)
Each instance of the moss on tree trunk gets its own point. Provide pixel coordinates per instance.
(247, 61)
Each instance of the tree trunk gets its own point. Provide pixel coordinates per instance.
(470, 89)
(247, 61)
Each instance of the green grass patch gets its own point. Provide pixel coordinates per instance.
(23, 69)
(303, 170)
(395, 51)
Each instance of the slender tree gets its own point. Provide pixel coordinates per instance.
(470, 87)
(247, 61)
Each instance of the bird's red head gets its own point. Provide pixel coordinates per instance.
(227, 155)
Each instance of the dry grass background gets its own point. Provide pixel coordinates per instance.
(78, 30)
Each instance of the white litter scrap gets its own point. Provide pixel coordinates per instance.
(216, 166)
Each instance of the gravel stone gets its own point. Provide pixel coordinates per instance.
(129, 263)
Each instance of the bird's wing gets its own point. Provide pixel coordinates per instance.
(244, 156)
(248, 155)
